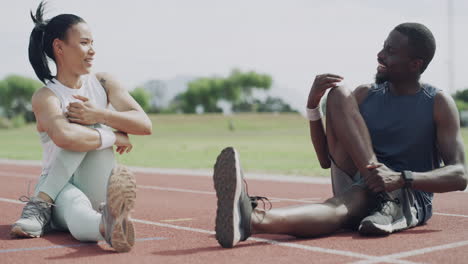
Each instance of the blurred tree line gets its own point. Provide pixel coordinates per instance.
(207, 95)
(15, 100)
(461, 100)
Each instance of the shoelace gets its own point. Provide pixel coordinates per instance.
(254, 199)
(35, 208)
(384, 202)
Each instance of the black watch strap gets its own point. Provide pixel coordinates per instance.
(408, 177)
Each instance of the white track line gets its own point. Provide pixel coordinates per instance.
(170, 189)
(416, 252)
(18, 175)
(6, 200)
(269, 241)
(457, 215)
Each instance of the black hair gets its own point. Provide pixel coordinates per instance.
(421, 41)
(42, 37)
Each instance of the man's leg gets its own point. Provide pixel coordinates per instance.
(315, 219)
(348, 138)
(350, 146)
(391, 210)
(237, 216)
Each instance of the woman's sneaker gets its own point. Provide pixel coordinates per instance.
(235, 207)
(120, 200)
(34, 218)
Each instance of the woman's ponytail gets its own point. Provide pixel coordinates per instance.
(37, 55)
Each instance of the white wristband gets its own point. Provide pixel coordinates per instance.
(107, 138)
(314, 114)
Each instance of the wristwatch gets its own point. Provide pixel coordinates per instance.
(408, 177)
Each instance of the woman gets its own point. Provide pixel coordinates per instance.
(74, 123)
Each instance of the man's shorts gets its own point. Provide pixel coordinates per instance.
(417, 205)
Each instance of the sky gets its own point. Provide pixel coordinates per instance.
(292, 41)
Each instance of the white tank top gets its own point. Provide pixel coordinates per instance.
(91, 88)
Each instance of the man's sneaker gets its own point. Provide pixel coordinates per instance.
(235, 206)
(386, 219)
(120, 200)
(35, 217)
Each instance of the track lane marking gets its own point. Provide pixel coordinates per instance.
(177, 220)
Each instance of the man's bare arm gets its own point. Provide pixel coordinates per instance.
(452, 176)
(317, 132)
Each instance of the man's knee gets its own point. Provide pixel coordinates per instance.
(338, 96)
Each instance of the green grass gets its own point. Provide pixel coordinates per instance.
(267, 143)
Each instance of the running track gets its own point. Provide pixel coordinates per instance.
(175, 215)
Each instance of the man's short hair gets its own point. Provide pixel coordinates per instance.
(421, 41)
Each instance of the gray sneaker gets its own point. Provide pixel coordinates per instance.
(386, 219)
(235, 206)
(34, 218)
(120, 200)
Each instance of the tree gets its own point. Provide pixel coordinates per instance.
(274, 104)
(15, 96)
(142, 97)
(461, 99)
(207, 92)
(270, 104)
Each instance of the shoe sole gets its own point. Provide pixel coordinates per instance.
(369, 228)
(121, 196)
(228, 184)
(17, 232)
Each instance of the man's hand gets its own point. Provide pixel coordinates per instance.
(321, 83)
(83, 112)
(122, 141)
(381, 178)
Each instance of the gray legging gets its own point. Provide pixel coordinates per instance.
(77, 182)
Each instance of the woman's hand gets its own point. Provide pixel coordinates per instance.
(83, 112)
(321, 83)
(122, 141)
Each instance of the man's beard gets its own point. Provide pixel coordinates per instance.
(380, 78)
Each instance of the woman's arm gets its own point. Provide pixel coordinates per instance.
(64, 134)
(129, 117)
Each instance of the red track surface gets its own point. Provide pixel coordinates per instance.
(175, 221)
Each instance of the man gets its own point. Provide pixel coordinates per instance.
(384, 143)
